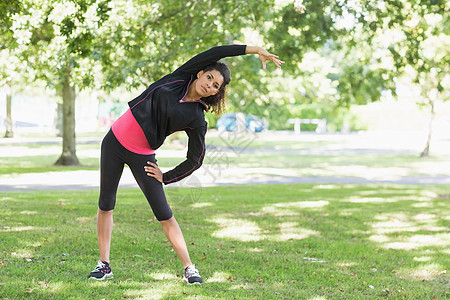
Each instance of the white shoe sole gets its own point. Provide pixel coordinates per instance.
(106, 276)
(193, 283)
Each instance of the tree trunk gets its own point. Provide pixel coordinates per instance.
(9, 127)
(68, 156)
(426, 150)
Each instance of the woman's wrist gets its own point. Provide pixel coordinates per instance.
(252, 49)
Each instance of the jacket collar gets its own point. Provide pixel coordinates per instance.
(198, 101)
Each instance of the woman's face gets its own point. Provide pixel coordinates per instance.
(208, 83)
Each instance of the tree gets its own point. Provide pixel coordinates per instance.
(408, 37)
(372, 43)
(7, 72)
(52, 38)
(106, 44)
(291, 34)
(8, 61)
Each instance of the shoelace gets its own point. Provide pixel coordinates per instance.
(99, 267)
(192, 272)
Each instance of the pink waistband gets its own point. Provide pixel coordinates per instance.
(130, 135)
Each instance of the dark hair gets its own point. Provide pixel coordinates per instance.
(216, 103)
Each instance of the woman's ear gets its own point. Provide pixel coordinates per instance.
(199, 74)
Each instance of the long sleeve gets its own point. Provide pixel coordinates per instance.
(204, 59)
(194, 158)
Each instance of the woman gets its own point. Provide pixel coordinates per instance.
(175, 102)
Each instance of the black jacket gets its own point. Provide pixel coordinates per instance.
(161, 111)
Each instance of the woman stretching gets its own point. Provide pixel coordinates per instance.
(175, 102)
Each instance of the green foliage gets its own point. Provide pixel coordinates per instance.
(292, 34)
(415, 35)
(8, 8)
(337, 53)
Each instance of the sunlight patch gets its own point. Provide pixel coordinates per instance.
(399, 222)
(238, 230)
(201, 204)
(219, 277)
(23, 228)
(394, 225)
(279, 209)
(346, 265)
(369, 193)
(22, 253)
(162, 276)
(422, 258)
(255, 250)
(423, 216)
(370, 200)
(28, 212)
(289, 231)
(415, 198)
(427, 272)
(277, 212)
(380, 238)
(423, 204)
(145, 291)
(429, 194)
(417, 241)
(35, 245)
(57, 286)
(315, 260)
(303, 204)
(325, 187)
(390, 216)
(245, 286)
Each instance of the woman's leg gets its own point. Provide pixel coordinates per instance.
(154, 192)
(111, 168)
(104, 231)
(175, 236)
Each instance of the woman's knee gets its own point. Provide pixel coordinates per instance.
(169, 221)
(106, 203)
(105, 212)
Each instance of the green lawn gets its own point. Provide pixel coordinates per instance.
(299, 241)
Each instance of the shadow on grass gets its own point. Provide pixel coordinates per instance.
(280, 241)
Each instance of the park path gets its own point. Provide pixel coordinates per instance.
(85, 180)
(206, 176)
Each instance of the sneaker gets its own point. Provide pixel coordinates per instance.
(191, 275)
(102, 271)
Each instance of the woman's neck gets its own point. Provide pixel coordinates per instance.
(192, 94)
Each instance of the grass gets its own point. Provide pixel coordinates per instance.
(298, 241)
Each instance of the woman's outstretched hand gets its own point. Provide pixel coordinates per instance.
(264, 55)
(153, 171)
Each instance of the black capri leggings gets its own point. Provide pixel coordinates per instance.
(113, 158)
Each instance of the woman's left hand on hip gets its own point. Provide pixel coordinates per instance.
(153, 170)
